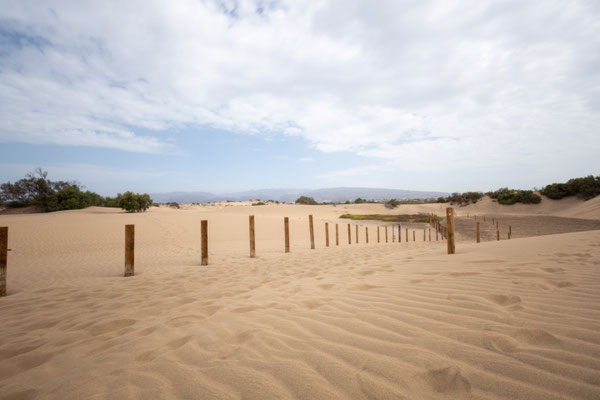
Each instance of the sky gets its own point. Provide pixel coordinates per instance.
(223, 96)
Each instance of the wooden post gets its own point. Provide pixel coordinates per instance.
(3, 259)
(406, 235)
(129, 250)
(450, 230)
(326, 234)
(378, 235)
(496, 224)
(367, 234)
(311, 230)
(414, 236)
(430, 234)
(204, 233)
(356, 234)
(286, 229)
(436, 235)
(477, 233)
(386, 236)
(252, 238)
(349, 235)
(509, 231)
(497, 234)
(399, 233)
(337, 235)
(424, 234)
(393, 235)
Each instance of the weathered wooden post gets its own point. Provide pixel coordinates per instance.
(349, 235)
(424, 234)
(393, 235)
(414, 236)
(356, 234)
(252, 238)
(406, 235)
(386, 236)
(3, 259)
(367, 234)
(430, 234)
(326, 234)
(286, 229)
(477, 232)
(378, 241)
(129, 250)
(337, 235)
(509, 231)
(311, 230)
(437, 232)
(496, 224)
(399, 233)
(450, 230)
(497, 234)
(204, 234)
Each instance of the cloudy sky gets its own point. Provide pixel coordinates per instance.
(234, 95)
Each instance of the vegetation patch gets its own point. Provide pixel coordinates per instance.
(36, 190)
(508, 196)
(584, 188)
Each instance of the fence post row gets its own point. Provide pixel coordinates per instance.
(326, 234)
(204, 233)
(286, 229)
(3, 259)
(477, 232)
(312, 232)
(129, 250)
(349, 235)
(252, 237)
(450, 230)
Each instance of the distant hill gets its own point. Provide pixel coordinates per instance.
(340, 194)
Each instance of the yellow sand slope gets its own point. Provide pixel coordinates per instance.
(513, 319)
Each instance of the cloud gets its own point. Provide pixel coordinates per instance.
(434, 85)
(306, 159)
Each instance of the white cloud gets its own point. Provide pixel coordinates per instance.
(434, 85)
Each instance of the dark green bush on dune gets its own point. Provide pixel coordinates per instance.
(306, 200)
(508, 196)
(585, 188)
(39, 191)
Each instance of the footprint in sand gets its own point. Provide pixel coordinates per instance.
(365, 273)
(110, 326)
(500, 344)
(448, 380)
(553, 270)
(537, 337)
(504, 301)
(463, 273)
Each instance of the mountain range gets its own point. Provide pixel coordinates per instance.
(339, 194)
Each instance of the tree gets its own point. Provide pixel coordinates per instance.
(134, 202)
(306, 200)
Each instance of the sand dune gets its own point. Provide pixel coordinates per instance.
(512, 319)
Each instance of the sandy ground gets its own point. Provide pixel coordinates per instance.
(514, 319)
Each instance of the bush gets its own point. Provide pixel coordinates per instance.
(508, 196)
(134, 202)
(585, 188)
(392, 203)
(461, 198)
(306, 200)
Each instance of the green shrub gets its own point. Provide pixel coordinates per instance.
(585, 188)
(134, 202)
(306, 200)
(392, 203)
(508, 196)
